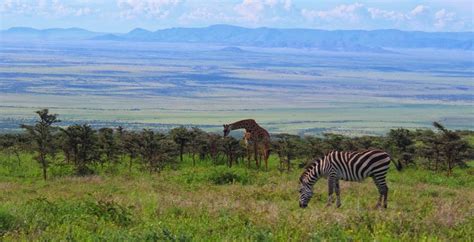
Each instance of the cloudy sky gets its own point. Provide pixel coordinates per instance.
(124, 15)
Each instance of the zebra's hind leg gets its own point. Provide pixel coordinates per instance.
(331, 188)
(383, 190)
(338, 194)
(385, 195)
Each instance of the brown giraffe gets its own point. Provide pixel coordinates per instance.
(258, 136)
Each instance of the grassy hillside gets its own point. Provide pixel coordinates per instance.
(212, 203)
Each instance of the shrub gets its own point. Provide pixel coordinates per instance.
(224, 175)
(8, 222)
(110, 211)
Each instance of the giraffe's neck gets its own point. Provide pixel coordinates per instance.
(242, 124)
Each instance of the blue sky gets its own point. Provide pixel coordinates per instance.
(124, 15)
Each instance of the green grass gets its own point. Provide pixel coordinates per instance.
(214, 203)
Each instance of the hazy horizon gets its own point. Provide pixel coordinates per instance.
(234, 25)
(119, 16)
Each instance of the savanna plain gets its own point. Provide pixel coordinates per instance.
(209, 202)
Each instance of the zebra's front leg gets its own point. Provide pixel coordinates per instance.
(331, 188)
(383, 189)
(338, 194)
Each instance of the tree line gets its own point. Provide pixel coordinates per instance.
(440, 149)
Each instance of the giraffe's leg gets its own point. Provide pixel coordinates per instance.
(266, 153)
(255, 149)
(331, 187)
(382, 188)
(249, 155)
(338, 194)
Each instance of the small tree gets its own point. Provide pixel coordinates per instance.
(453, 147)
(148, 148)
(42, 135)
(14, 144)
(288, 148)
(231, 148)
(429, 147)
(315, 147)
(82, 145)
(157, 150)
(131, 145)
(197, 142)
(400, 142)
(211, 147)
(108, 145)
(181, 137)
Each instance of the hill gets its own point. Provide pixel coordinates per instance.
(337, 40)
(26, 33)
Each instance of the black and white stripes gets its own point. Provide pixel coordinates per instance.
(348, 166)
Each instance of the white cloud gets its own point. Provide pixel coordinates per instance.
(418, 10)
(359, 16)
(254, 10)
(44, 8)
(250, 9)
(352, 12)
(287, 4)
(376, 13)
(83, 11)
(443, 18)
(205, 14)
(15, 6)
(148, 8)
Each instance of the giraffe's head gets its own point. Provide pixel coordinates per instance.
(247, 136)
(226, 129)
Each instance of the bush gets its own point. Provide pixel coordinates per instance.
(110, 211)
(8, 222)
(223, 175)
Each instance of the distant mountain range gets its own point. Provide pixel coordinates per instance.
(337, 40)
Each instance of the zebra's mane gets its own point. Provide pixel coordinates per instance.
(309, 166)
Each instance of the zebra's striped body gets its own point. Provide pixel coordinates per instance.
(348, 166)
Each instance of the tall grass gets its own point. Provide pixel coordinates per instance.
(209, 202)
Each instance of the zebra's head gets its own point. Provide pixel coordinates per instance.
(307, 180)
(305, 195)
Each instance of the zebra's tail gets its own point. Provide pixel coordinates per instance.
(398, 165)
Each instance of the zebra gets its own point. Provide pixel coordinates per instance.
(348, 166)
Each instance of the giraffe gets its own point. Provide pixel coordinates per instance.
(257, 135)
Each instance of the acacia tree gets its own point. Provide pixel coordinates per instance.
(108, 145)
(288, 147)
(148, 148)
(453, 147)
(400, 142)
(197, 139)
(314, 147)
(82, 145)
(231, 148)
(42, 136)
(156, 150)
(429, 148)
(119, 141)
(131, 144)
(214, 143)
(181, 137)
(14, 144)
